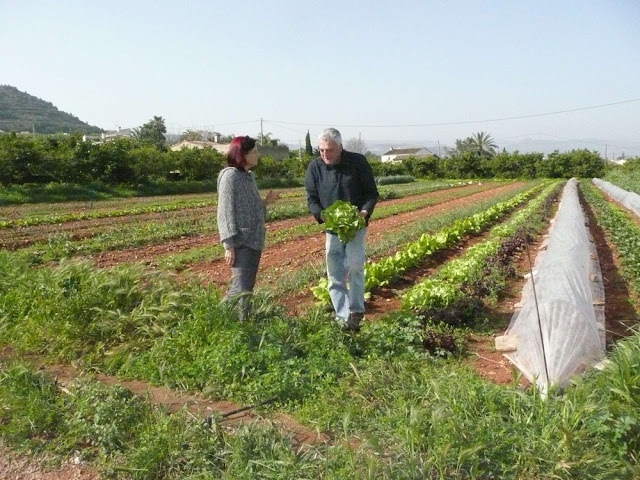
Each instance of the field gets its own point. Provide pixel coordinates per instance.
(117, 359)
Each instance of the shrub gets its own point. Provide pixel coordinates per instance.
(393, 179)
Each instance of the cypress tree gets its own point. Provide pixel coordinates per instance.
(308, 149)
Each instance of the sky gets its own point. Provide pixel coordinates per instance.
(393, 73)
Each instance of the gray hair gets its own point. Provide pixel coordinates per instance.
(330, 134)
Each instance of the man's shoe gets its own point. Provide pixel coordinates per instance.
(353, 323)
(328, 308)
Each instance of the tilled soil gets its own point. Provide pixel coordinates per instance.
(148, 254)
(288, 256)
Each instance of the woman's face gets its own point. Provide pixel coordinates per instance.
(252, 157)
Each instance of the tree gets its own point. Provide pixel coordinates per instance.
(152, 133)
(308, 149)
(480, 143)
(265, 139)
(192, 135)
(483, 144)
(461, 147)
(356, 145)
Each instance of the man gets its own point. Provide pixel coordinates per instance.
(341, 175)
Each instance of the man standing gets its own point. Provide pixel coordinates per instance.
(341, 175)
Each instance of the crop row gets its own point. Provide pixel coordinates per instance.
(154, 233)
(626, 179)
(95, 210)
(443, 287)
(379, 273)
(623, 231)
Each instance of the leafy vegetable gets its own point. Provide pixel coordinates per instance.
(343, 219)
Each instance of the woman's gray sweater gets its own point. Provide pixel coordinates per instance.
(241, 212)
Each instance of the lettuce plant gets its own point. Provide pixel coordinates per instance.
(343, 219)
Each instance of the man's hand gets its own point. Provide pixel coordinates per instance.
(230, 256)
(364, 213)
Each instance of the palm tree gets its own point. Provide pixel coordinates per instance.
(483, 144)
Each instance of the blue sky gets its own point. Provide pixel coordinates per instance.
(396, 72)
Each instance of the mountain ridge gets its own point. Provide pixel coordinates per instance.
(21, 111)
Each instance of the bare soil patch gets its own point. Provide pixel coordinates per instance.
(14, 466)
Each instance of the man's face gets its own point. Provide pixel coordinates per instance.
(330, 151)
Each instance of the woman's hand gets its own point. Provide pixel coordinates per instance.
(271, 197)
(230, 256)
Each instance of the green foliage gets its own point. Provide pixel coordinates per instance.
(626, 176)
(578, 163)
(173, 447)
(103, 419)
(443, 288)
(29, 404)
(343, 219)
(152, 133)
(308, 149)
(138, 162)
(394, 179)
(619, 228)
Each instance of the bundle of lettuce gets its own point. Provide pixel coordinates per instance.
(343, 219)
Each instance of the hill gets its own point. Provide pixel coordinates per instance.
(21, 112)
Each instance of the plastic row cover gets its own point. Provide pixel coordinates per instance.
(558, 331)
(630, 200)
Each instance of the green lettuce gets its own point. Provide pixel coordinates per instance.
(343, 219)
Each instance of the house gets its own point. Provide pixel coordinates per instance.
(220, 147)
(109, 135)
(399, 154)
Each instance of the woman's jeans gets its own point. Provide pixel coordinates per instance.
(243, 279)
(345, 269)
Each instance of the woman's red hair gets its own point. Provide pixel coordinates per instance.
(238, 148)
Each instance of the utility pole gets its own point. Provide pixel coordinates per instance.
(299, 149)
(261, 133)
(438, 147)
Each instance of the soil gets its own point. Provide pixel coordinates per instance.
(23, 467)
(284, 258)
(148, 254)
(21, 237)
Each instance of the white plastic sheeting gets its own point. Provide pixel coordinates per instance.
(569, 313)
(628, 199)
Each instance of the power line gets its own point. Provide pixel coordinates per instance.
(466, 122)
(282, 126)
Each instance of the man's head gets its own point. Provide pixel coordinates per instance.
(330, 146)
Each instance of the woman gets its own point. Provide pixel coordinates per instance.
(241, 218)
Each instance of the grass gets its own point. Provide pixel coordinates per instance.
(413, 417)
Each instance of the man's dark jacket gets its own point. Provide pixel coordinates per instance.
(351, 180)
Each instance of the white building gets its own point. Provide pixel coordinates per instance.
(221, 147)
(109, 135)
(398, 154)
